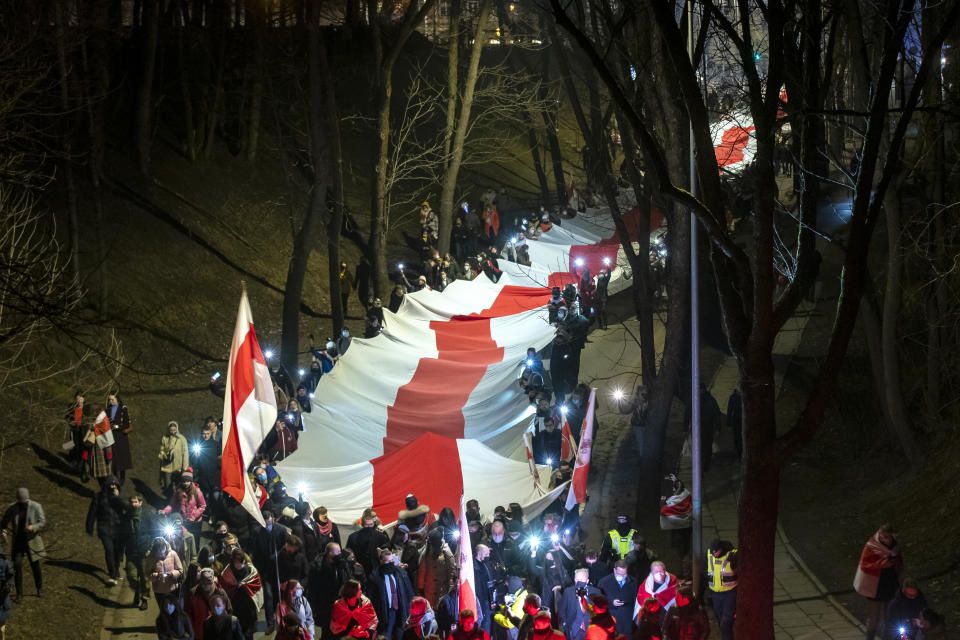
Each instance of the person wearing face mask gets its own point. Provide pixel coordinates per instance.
(438, 568)
(293, 601)
(659, 585)
(468, 629)
(621, 592)
(505, 557)
(573, 609)
(173, 623)
(483, 579)
(188, 501)
(243, 585)
(353, 614)
(390, 592)
(619, 541)
(174, 457)
(366, 541)
(222, 624)
(164, 569)
(107, 512)
(267, 543)
(328, 573)
(198, 603)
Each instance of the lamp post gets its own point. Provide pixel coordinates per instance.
(696, 542)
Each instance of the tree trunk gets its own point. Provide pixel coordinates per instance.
(144, 108)
(534, 143)
(216, 104)
(556, 156)
(460, 136)
(73, 224)
(453, 80)
(871, 334)
(191, 143)
(257, 16)
(890, 343)
(380, 216)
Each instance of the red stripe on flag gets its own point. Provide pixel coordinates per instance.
(732, 145)
(468, 591)
(241, 388)
(436, 394)
(403, 471)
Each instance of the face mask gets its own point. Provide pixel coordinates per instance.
(298, 592)
(345, 333)
(497, 539)
(170, 608)
(262, 477)
(219, 609)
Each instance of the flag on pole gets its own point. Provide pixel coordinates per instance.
(468, 591)
(567, 445)
(578, 483)
(249, 410)
(533, 466)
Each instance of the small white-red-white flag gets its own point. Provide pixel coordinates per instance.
(578, 483)
(468, 590)
(567, 445)
(530, 461)
(249, 410)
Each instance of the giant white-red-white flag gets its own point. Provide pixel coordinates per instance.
(578, 483)
(249, 410)
(468, 589)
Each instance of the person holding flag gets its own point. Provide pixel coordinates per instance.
(468, 589)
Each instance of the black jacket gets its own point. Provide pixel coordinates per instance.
(108, 513)
(377, 590)
(573, 619)
(264, 543)
(365, 542)
(292, 566)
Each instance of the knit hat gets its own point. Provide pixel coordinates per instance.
(411, 501)
(23, 494)
(187, 474)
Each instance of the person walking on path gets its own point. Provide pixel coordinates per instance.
(23, 521)
(687, 620)
(722, 579)
(878, 576)
(101, 448)
(353, 614)
(6, 575)
(164, 569)
(346, 287)
(138, 528)
(75, 416)
(120, 425)
(173, 623)
(621, 591)
(108, 512)
(174, 457)
(188, 501)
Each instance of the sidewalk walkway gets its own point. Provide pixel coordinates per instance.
(802, 608)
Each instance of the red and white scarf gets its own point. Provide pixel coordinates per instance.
(874, 558)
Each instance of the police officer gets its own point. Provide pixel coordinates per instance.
(619, 541)
(722, 575)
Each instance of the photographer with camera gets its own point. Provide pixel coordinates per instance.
(573, 608)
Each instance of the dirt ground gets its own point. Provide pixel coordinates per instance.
(74, 578)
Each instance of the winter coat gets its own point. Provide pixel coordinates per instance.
(175, 626)
(302, 608)
(225, 627)
(378, 591)
(108, 512)
(35, 518)
(574, 619)
(176, 447)
(197, 605)
(626, 594)
(688, 622)
(292, 566)
(164, 574)
(245, 591)
(120, 423)
(323, 585)
(420, 629)
(190, 507)
(437, 574)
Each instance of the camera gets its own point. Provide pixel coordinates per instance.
(581, 592)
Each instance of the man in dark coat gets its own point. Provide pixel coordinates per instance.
(621, 591)
(328, 573)
(120, 425)
(572, 610)
(292, 561)
(483, 580)
(390, 591)
(710, 418)
(141, 527)
(266, 545)
(598, 570)
(547, 444)
(107, 512)
(366, 541)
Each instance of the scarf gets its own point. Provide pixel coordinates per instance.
(325, 529)
(874, 558)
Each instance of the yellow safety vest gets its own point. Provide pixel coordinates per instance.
(621, 544)
(722, 575)
(515, 608)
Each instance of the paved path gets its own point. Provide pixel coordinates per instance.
(802, 610)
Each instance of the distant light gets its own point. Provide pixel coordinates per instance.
(663, 252)
(563, 409)
(529, 363)
(534, 541)
(196, 448)
(943, 59)
(537, 41)
(400, 266)
(633, 73)
(618, 394)
(756, 57)
(566, 532)
(302, 488)
(554, 538)
(301, 372)
(456, 534)
(168, 530)
(268, 354)
(578, 262)
(606, 261)
(311, 394)
(549, 460)
(513, 7)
